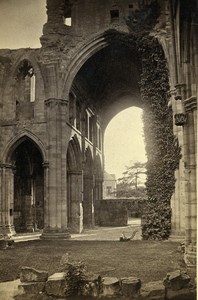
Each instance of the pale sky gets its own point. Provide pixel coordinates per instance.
(123, 141)
(21, 24)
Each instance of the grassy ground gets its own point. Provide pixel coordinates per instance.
(148, 260)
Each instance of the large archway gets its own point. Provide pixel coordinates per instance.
(132, 71)
(28, 208)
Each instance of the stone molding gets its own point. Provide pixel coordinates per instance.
(7, 166)
(56, 101)
(74, 172)
(190, 104)
(45, 164)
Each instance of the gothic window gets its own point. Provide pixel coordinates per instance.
(68, 13)
(114, 15)
(78, 116)
(98, 129)
(25, 90)
(89, 122)
(72, 106)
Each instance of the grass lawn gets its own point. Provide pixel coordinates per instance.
(148, 260)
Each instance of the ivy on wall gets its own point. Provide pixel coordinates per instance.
(163, 151)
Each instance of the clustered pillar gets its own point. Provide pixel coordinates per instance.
(6, 200)
(56, 194)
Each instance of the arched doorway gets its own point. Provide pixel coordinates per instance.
(28, 210)
(74, 187)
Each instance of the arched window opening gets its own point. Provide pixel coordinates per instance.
(25, 91)
(114, 13)
(72, 109)
(89, 123)
(68, 13)
(98, 136)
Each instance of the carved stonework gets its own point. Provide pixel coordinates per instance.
(180, 90)
(190, 104)
(180, 119)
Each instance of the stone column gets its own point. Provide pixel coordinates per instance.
(75, 195)
(88, 207)
(191, 180)
(55, 181)
(178, 198)
(6, 200)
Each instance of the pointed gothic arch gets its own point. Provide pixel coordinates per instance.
(25, 192)
(74, 186)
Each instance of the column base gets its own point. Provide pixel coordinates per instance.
(7, 230)
(190, 256)
(174, 237)
(55, 233)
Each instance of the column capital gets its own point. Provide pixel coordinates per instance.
(180, 119)
(45, 164)
(7, 166)
(56, 102)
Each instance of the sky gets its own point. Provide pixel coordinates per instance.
(124, 141)
(21, 24)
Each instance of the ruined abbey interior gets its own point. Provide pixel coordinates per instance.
(56, 101)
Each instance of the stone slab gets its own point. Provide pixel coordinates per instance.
(56, 285)
(32, 275)
(31, 288)
(130, 286)
(176, 280)
(110, 286)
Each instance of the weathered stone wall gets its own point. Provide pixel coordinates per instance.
(115, 212)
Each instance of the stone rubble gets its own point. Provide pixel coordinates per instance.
(37, 285)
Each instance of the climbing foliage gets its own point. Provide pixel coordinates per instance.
(163, 151)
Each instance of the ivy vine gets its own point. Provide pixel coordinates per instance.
(163, 151)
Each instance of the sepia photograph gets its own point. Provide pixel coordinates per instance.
(98, 149)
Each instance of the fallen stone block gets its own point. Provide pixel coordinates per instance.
(91, 285)
(176, 280)
(32, 275)
(110, 286)
(182, 294)
(31, 288)
(56, 285)
(153, 290)
(130, 286)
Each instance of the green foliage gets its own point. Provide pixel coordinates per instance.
(163, 151)
(75, 274)
(161, 145)
(128, 185)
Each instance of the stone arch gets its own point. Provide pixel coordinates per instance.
(74, 155)
(89, 48)
(25, 197)
(74, 186)
(17, 140)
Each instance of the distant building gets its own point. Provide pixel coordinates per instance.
(109, 186)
